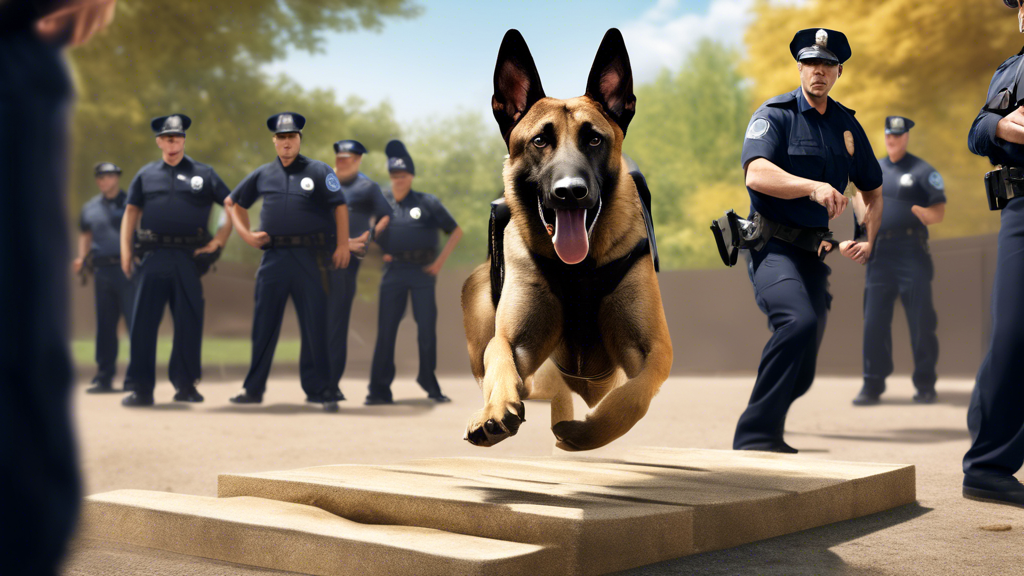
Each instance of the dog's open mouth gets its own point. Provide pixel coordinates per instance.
(571, 230)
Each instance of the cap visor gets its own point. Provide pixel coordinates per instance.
(816, 53)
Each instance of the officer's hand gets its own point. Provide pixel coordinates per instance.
(1011, 127)
(210, 248)
(341, 257)
(830, 198)
(434, 269)
(76, 265)
(388, 258)
(859, 252)
(358, 244)
(78, 18)
(259, 239)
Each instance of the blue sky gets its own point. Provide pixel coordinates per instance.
(442, 62)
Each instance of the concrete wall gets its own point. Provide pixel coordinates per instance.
(716, 326)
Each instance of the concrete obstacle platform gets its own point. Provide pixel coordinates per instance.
(488, 516)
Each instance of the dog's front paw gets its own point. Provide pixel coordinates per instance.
(495, 423)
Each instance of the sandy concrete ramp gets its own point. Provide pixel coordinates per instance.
(601, 515)
(298, 538)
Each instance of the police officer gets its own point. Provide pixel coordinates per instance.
(994, 417)
(99, 250)
(368, 213)
(305, 232)
(800, 151)
(411, 266)
(172, 198)
(900, 265)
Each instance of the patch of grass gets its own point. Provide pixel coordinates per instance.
(216, 351)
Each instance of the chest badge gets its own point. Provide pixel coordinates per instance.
(197, 183)
(848, 138)
(907, 180)
(415, 213)
(306, 184)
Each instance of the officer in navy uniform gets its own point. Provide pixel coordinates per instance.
(800, 151)
(995, 417)
(99, 249)
(368, 215)
(901, 265)
(305, 232)
(411, 266)
(172, 198)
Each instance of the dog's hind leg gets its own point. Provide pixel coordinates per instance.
(478, 317)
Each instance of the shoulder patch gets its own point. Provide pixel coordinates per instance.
(332, 182)
(935, 179)
(757, 129)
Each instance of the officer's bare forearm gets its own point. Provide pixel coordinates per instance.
(84, 243)
(765, 177)
(872, 212)
(240, 218)
(129, 222)
(221, 238)
(381, 225)
(341, 225)
(929, 215)
(449, 246)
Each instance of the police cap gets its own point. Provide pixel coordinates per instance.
(106, 168)
(286, 122)
(349, 147)
(398, 158)
(820, 44)
(897, 125)
(173, 125)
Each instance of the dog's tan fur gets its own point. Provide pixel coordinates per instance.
(509, 347)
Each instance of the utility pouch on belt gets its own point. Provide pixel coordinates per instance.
(1003, 184)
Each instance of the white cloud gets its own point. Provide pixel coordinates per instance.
(662, 36)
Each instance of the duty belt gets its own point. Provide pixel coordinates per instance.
(733, 233)
(423, 257)
(318, 240)
(100, 261)
(901, 233)
(150, 239)
(1003, 184)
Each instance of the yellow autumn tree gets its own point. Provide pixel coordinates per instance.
(929, 61)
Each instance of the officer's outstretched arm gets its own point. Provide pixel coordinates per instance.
(765, 177)
(129, 223)
(341, 255)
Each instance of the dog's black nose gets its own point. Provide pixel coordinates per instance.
(574, 187)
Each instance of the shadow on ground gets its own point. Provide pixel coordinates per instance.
(801, 554)
(906, 435)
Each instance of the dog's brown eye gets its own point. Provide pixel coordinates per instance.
(539, 142)
(595, 141)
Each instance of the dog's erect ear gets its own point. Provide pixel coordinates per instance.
(516, 83)
(611, 79)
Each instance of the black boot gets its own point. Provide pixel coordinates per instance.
(101, 387)
(136, 399)
(926, 397)
(870, 394)
(244, 397)
(188, 394)
(995, 489)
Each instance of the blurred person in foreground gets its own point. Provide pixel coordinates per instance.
(39, 480)
(996, 413)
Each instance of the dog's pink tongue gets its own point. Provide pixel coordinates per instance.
(571, 242)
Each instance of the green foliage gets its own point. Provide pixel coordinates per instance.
(204, 59)
(687, 137)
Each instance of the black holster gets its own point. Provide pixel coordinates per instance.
(733, 234)
(1003, 184)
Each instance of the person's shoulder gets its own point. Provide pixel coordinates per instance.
(780, 102)
(845, 110)
(318, 167)
(93, 201)
(1010, 61)
(198, 166)
(149, 167)
(428, 197)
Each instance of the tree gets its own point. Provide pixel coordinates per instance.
(930, 61)
(204, 59)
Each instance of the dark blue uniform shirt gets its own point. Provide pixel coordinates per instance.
(415, 222)
(365, 201)
(102, 218)
(909, 182)
(1002, 99)
(176, 200)
(297, 199)
(788, 132)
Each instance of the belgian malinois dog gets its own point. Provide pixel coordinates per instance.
(577, 306)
